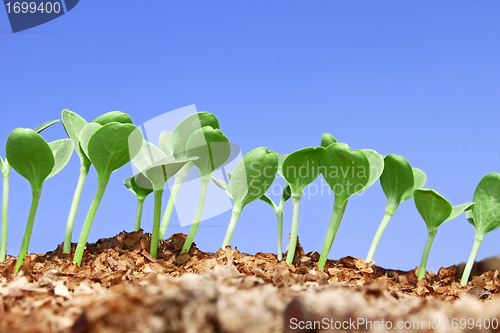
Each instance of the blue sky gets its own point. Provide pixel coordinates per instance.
(414, 78)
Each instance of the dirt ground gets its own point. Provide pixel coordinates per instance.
(121, 288)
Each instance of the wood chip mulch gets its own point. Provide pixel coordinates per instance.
(121, 288)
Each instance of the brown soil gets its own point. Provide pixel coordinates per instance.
(121, 288)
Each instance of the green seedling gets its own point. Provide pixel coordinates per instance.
(5, 170)
(250, 180)
(158, 168)
(73, 124)
(212, 149)
(485, 216)
(140, 192)
(347, 173)
(175, 144)
(300, 168)
(327, 139)
(278, 209)
(435, 210)
(36, 160)
(108, 147)
(399, 180)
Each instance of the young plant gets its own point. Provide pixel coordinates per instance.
(73, 124)
(108, 147)
(140, 192)
(308, 160)
(36, 160)
(250, 180)
(158, 168)
(278, 209)
(212, 149)
(398, 181)
(435, 210)
(485, 216)
(347, 173)
(5, 170)
(175, 144)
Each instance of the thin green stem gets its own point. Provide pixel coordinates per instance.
(205, 180)
(279, 216)
(389, 212)
(138, 214)
(156, 223)
(472, 258)
(295, 229)
(179, 178)
(425, 255)
(232, 224)
(29, 227)
(82, 242)
(84, 170)
(338, 213)
(5, 210)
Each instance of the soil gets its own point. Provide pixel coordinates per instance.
(121, 288)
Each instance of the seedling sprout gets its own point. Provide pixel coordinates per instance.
(140, 192)
(435, 210)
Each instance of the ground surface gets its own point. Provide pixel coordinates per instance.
(121, 288)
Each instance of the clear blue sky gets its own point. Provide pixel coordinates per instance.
(414, 78)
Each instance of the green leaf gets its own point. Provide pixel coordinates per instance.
(302, 167)
(29, 154)
(112, 146)
(397, 179)
(62, 150)
(486, 210)
(433, 207)
(346, 172)
(187, 127)
(113, 116)
(459, 209)
(210, 146)
(376, 166)
(73, 125)
(223, 186)
(166, 143)
(84, 136)
(327, 139)
(470, 217)
(268, 200)
(253, 176)
(140, 185)
(287, 192)
(43, 126)
(419, 179)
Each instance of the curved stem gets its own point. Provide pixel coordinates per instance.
(84, 170)
(425, 255)
(205, 180)
(29, 227)
(156, 223)
(179, 178)
(295, 229)
(138, 214)
(338, 213)
(232, 224)
(389, 212)
(82, 242)
(472, 258)
(5, 211)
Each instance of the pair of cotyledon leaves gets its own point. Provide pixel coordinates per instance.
(435, 209)
(108, 142)
(35, 159)
(252, 177)
(347, 172)
(485, 214)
